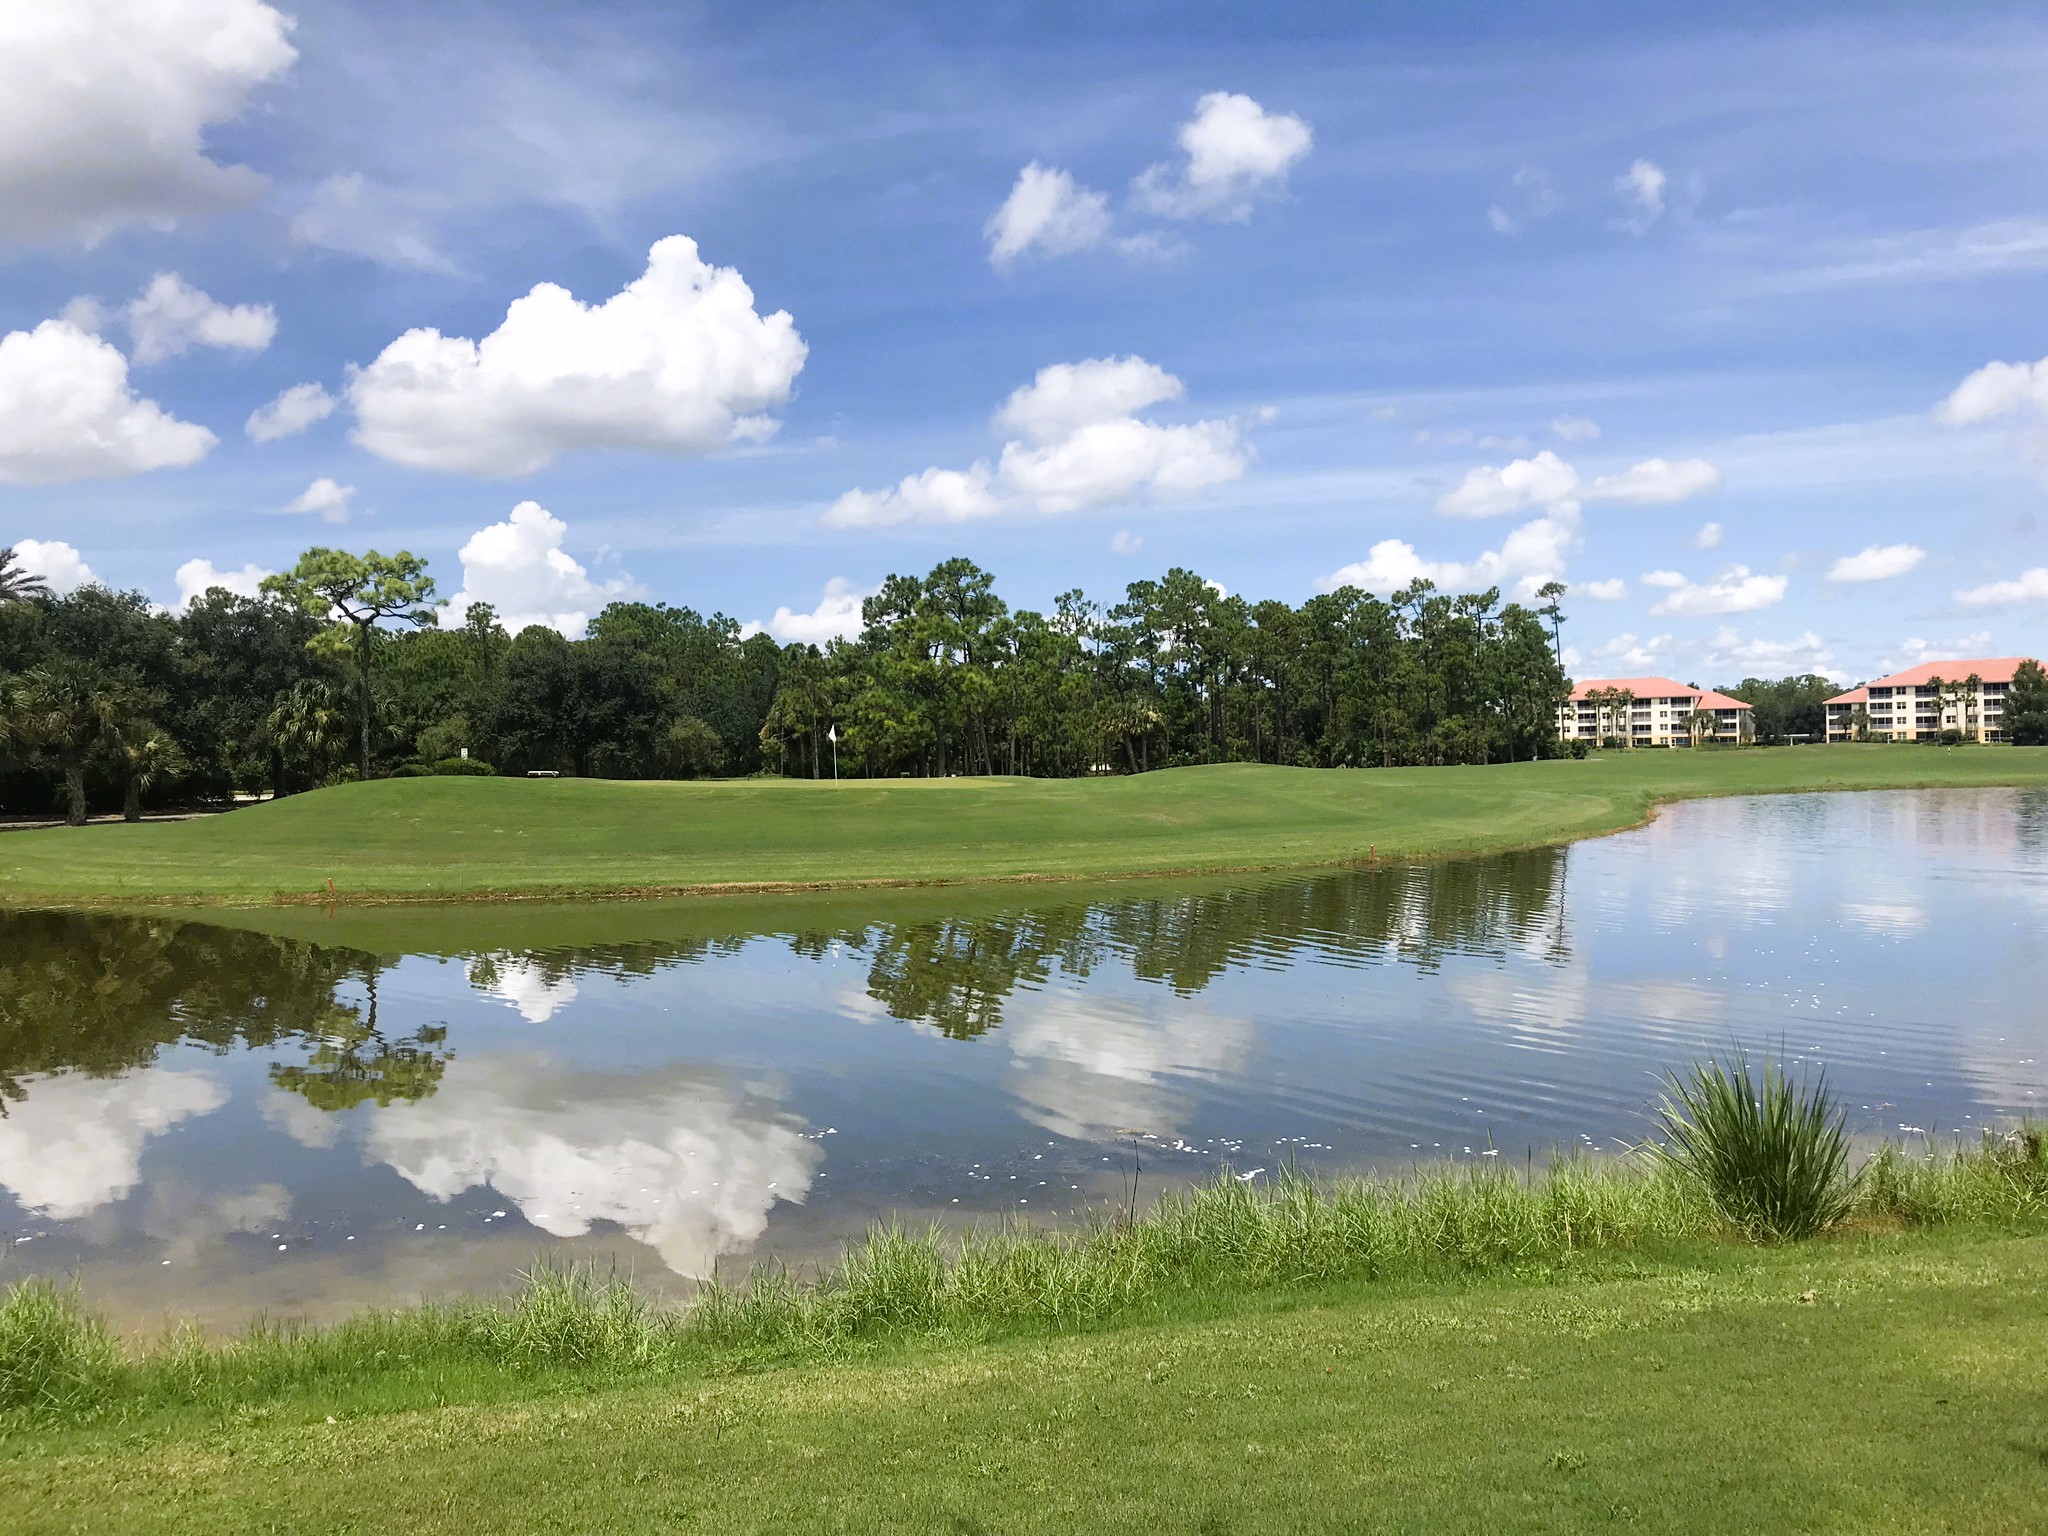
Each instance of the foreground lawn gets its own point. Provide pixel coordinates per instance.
(429, 839)
(1904, 1396)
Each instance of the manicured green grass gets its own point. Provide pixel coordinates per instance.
(1887, 1385)
(442, 839)
(1460, 1351)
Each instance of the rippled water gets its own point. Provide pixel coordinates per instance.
(316, 1111)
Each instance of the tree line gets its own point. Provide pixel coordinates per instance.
(347, 666)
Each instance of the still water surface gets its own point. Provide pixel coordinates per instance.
(210, 1121)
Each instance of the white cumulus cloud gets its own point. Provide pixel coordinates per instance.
(1709, 536)
(837, 617)
(105, 105)
(1112, 461)
(1611, 590)
(930, 496)
(197, 577)
(325, 498)
(1735, 590)
(1631, 654)
(1530, 556)
(60, 566)
(1642, 189)
(290, 413)
(1124, 542)
(171, 317)
(1545, 480)
(1077, 443)
(2030, 586)
(1068, 396)
(519, 568)
(1729, 652)
(1655, 482)
(679, 361)
(1996, 389)
(1047, 212)
(67, 412)
(1574, 429)
(1880, 562)
(1236, 153)
(1490, 491)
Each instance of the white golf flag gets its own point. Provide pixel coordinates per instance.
(832, 734)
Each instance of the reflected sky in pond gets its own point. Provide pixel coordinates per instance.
(311, 1112)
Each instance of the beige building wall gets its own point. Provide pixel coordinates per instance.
(1655, 720)
(1921, 712)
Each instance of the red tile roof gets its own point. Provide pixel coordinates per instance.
(1647, 688)
(1994, 669)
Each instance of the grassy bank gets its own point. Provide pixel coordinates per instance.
(450, 839)
(1453, 1354)
(1218, 1243)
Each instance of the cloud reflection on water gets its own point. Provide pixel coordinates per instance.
(676, 1158)
(523, 983)
(1089, 1068)
(74, 1143)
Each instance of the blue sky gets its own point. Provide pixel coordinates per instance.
(1679, 308)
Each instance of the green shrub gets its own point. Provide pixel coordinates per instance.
(55, 1357)
(1773, 1157)
(689, 748)
(447, 768)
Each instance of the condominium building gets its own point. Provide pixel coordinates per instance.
(1921, 702)
(1652, 712)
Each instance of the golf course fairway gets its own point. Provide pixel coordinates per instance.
(451, 839)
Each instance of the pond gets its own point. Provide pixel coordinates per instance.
(299, 1113)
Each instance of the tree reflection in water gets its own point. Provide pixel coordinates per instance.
(102, 995)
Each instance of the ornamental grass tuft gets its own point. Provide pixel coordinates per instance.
(1772, 1156)
(55, 1357)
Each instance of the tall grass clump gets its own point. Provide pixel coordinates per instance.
(1773, 1155)
(2002, 1178)
(55, 1357)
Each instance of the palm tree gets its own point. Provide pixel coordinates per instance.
(1702, 723)
(1960, 696)
(145, 754)
(16, 584)
(62, 712)
(310, 728)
